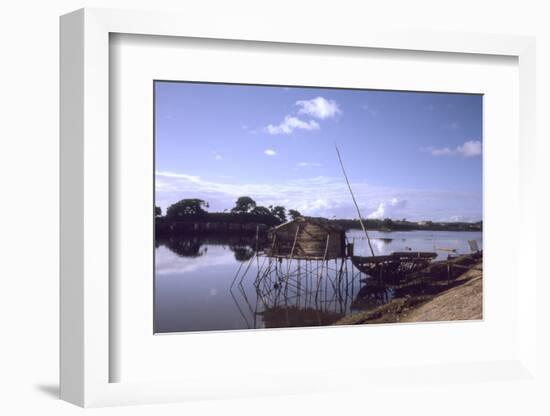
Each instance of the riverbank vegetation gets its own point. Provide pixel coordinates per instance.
(388, 224)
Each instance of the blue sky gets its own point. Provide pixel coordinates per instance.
(407, 154)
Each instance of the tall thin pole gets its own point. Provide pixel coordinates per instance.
(354, 201)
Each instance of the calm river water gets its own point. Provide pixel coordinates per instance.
(206, 284)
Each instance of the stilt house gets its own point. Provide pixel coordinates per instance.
(307, 238)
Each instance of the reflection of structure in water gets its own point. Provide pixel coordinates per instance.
(289, 292)
(372, 295)
(188, 247)
(292, 316)
(242, 252)
(243, 247)
(295, 292)
(303, 277)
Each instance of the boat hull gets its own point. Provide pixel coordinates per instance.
(395, 264)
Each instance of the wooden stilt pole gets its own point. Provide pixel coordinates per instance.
(322, 265)
(293, 246)
(256, 248)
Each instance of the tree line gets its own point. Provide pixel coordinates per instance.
(387, 224)
(245, 209)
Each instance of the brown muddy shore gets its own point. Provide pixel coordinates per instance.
(447, 290)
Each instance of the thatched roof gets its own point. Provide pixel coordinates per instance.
(319, 221)
(307, 238)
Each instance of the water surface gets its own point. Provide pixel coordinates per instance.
(205, 284)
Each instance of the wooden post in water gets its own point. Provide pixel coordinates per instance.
(354, 201)
(256, 248)
(293, 246)
(322, 266)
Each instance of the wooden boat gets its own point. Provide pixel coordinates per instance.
(395, 264)
(398, 263)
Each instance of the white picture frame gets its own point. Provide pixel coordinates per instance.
(85, 219)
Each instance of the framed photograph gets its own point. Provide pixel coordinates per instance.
(239, 207)
(257, 224)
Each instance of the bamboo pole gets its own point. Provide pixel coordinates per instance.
(293, 246)
(322, 266)
(354, 201)
(256, 248)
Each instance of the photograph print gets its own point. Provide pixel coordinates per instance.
(287, 206)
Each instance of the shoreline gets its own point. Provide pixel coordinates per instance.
(432, 297)
(176, 228)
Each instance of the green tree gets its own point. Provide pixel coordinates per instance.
(294, 213)
(186, 207)
(259, 210)
(158, 211)
(278, 212)
(388, 223)
(243, 204)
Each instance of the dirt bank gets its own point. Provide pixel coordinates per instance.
(432, 297)
(463, 302)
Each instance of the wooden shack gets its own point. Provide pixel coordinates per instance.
(307, 238)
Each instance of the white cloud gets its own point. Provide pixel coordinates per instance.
(189, 178)
(314, 205)
(270, 152)
(470, 148)
(320, 196)
(388, 209)
(441, 152)
(309, 165)
(319, 108)
(467, 149)
(290, 123)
